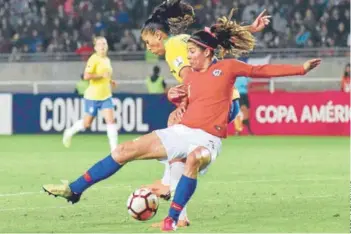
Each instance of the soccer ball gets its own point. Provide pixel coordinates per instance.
(142, 204)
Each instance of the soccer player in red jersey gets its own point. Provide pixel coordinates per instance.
(197, 138)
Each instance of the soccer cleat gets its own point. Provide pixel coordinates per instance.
(180, 224)
(67, 139)
(166, 196)
(168, 225)
(183, 223)
(160, 190)
(62, 190)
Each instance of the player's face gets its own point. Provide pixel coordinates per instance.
(197, 56)
(101, 46)
(154, 42)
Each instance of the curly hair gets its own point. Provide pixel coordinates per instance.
(172, 16)
(232, 38)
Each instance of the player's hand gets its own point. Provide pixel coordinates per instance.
(260, 22)
(311, 64)
(176, 92)
(176, 116)
(160, 190)
(113, 84)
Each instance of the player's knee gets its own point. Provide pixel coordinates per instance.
(199, 158)
(87, 124)
(124, 152)
(192, 161)
(87, 121)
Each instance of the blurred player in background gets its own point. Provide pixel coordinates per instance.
(242, 85)
(345, 82)
(197, 138)
(162, 36)
(98, 96)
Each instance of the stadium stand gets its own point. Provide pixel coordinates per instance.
(29, 26)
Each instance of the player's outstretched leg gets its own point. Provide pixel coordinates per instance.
(146, 147)
(112, 131)
(78, 126)
(70, 132)
(197, 159)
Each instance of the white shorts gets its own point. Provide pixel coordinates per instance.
(180, 140)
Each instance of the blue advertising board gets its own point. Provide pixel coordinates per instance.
(53, 113)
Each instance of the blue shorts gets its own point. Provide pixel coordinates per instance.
(92, 107)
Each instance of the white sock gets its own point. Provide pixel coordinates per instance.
(183, 215)
(77, 127)
(177, 170)
(166, 179)
(112, 135)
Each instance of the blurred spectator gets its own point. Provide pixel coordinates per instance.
(128, 42)
(295, 23)
(84, 50)
(155, 83)
(345, 82)
(302, 36)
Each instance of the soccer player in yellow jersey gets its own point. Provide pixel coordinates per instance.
(98, 95)
(162, 36)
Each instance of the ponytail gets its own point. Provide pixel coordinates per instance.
(232, 38)
(171, 17)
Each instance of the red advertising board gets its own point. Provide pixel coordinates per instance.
(309, 113)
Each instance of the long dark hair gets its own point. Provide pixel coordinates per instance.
(170, 17)
(226, 36)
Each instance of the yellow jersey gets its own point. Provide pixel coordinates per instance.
(99, 89)
(177, 54)
(177, 57)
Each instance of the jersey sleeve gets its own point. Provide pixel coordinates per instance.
(177, 57)
(265, 71)
(91, 65)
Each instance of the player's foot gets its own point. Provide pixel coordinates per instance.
(168, 225)
(180, 224)
(159, 189)
(183, 223)
(67, 138)
(62, 190)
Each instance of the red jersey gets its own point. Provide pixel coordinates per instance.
(210, 92)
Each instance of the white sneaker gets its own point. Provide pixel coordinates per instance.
(67, 138)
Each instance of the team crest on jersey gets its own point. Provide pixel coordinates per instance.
(178, 61)
(217, 72)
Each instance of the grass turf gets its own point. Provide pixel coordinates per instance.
(257, 184)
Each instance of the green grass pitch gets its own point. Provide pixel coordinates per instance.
(257, 184)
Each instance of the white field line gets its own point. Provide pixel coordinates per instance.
(36, 193)
(209, 200)
(210, 182)
(69, 206)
